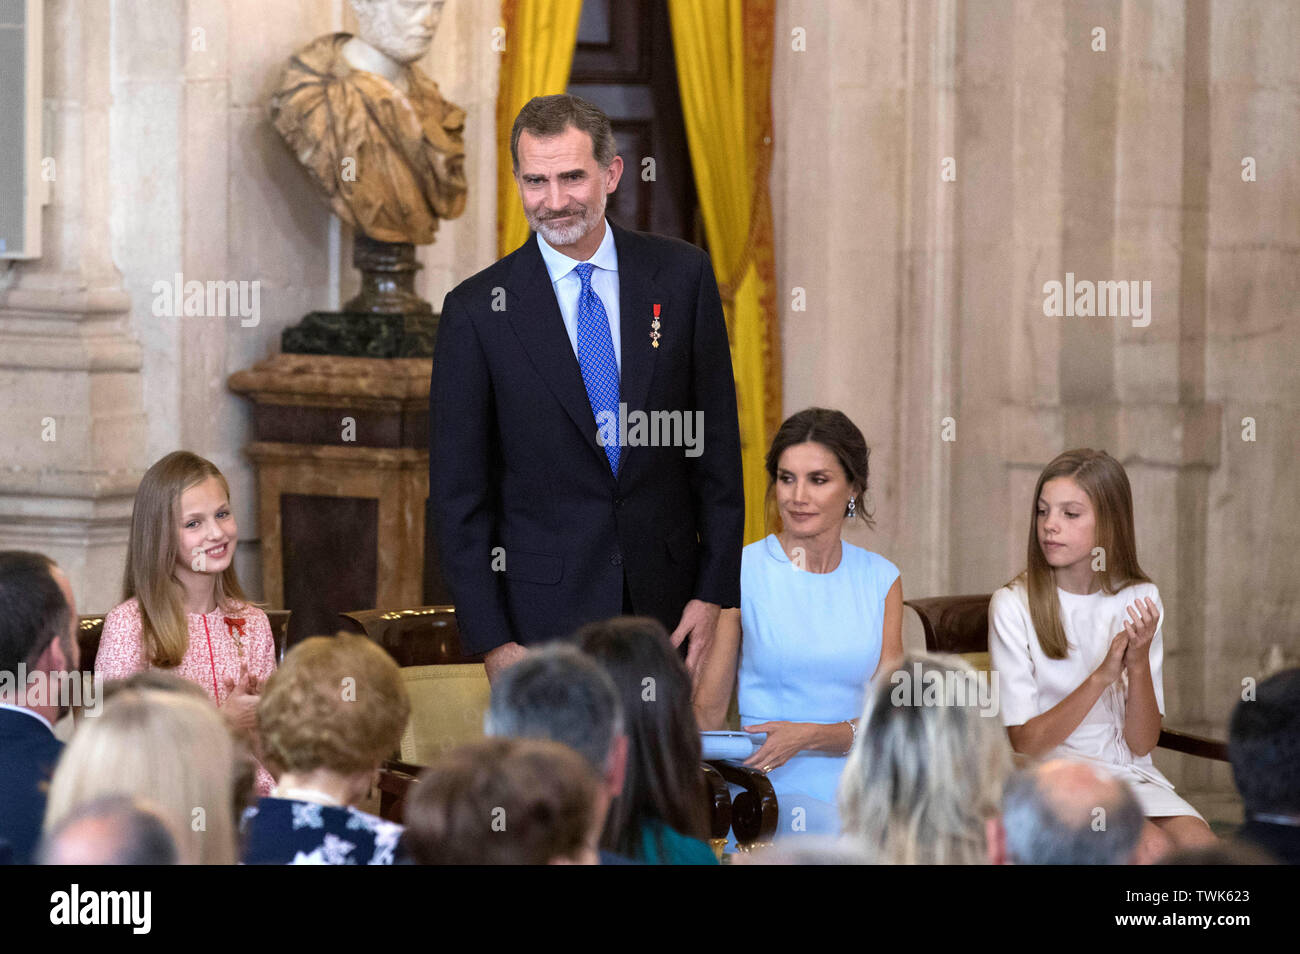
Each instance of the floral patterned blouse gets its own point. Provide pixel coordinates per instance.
(212, 659)
(284, 831)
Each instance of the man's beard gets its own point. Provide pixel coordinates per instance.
(559, 234)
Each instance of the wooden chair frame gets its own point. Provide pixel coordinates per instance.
(90, 629)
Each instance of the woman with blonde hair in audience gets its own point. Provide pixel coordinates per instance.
(505, 801)
(923, 784)
(160, 680)
(170, 748)
(328, 719)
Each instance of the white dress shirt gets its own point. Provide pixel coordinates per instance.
(568, 286)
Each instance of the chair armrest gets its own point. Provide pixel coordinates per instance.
(405, 768)
(754, 812)
(89, 631)
(1191, 744)
(394, 783)
(719, 802)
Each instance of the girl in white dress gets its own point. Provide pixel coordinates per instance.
(1076, 640)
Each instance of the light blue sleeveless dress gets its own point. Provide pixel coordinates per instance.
(810, 643)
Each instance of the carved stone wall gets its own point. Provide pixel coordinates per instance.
(925, 296)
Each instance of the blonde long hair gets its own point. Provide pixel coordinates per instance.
(168, 747)
(922, 780)
(1103, 479)
(151, 557)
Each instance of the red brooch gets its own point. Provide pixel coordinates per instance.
(654, 329)
(236, 624)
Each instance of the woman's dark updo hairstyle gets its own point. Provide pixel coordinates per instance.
(834, 431)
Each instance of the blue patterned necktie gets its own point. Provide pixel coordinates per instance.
(596, 358)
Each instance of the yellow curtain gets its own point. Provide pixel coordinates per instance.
(540, 36)
(724, 69)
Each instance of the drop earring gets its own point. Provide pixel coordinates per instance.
(853, 507)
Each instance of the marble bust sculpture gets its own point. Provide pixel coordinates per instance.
(371, 129)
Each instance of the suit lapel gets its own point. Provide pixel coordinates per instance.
(637, 295)
(536, 320)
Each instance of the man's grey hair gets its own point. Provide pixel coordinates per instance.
(1036, 834)
(548, 116)
(559, 693)
(114, 830)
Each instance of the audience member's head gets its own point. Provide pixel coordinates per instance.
(664, 781)
(115, 830)
(808, 850)
(332, 712)
(38, 618)
(168, 747)
(560, 693)
(154, 680)
(160, 680)
(37, 639)
(1062, 812)
(923, 780)
(505, 801)
(1264, 747)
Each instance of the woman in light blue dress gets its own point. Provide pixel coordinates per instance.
(818, 618)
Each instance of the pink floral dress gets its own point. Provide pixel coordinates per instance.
(212, 659)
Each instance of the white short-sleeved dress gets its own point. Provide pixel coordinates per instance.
(1030, 683)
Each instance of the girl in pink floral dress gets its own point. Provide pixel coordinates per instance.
(184, 609)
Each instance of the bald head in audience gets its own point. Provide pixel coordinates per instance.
(1062, 812)
(110, 831)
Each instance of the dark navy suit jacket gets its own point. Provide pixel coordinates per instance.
(28, 753)
(515, 461)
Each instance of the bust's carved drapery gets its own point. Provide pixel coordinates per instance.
(390, 161)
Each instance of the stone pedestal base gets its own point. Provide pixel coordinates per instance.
(386, 320)
(341, 454)
(362, 335)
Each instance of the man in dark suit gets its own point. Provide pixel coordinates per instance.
(585, 450)
(1264, 747)
(37, 636)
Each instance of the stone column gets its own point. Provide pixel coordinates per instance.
(73, 426)
(1241, 352)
